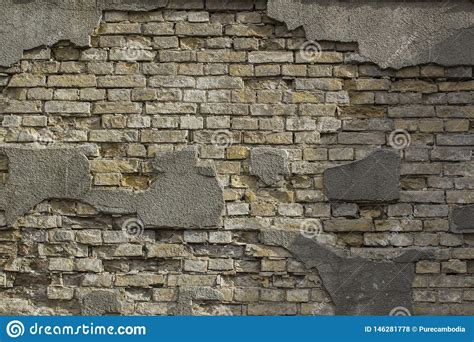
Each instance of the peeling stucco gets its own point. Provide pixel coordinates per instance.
(185, 193)
(389, 33)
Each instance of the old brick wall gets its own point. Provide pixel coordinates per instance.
(228, 79)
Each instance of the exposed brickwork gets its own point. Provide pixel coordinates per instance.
(227, 80)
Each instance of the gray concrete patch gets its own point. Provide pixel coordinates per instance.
(357, 286)
(372, 179)
(185, 194)
(39, 174)
(389, 33)
(462, 219)
(100, 302)
(269, 164)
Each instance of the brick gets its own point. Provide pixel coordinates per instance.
(425, 266)
(272, 109)
(451, 154)
(88, 265)
(119, 28)
(27, 80)
(59, 293)
(270, 57)
(128, 249)
(318, 84)
(414, 86)
(170, 108)
(422, 196)
(341, 225)
(455, 140)
(411, 112)
(368, 84)
(318, 109)
(195, 236)
(67, 107)
(72, 81)
(227, 109)
(158, 29)
(451, 112)
(361, 138)
(129, 81)
(61, 264)
(172, 82)
(221, 264)
(241, 30)
(219, 82)
(162, 136)
(118, 107)
(166, 250)
(280, 309)
(220, 237)
(165, 295)
(111, 166)
(138, 280)
(195, 265)
(198, 29)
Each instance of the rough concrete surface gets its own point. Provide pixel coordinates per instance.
(357, 286)
(462, 219)
(269, 164)
(390, 33)
(375, 178)
(39, 174)
(184, 194)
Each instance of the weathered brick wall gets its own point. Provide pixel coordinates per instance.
(228, 79)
